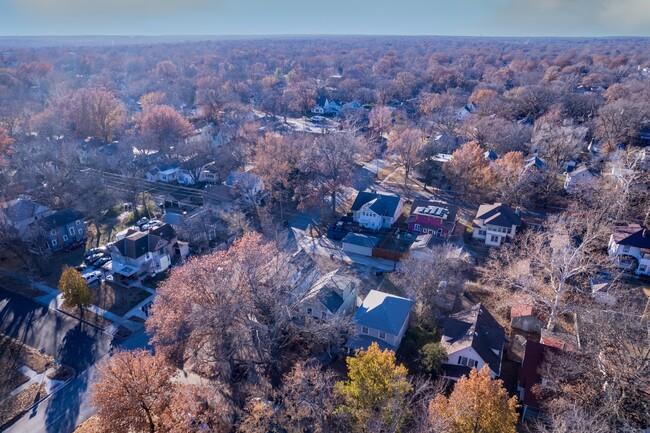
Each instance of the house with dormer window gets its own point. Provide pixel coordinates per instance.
(472, 339)
(494, 223)
(374, 210)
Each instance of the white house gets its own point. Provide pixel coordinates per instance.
(465, 111)
(249, 184)
(141, 254)
(381, 318)
(630, 245)
(494, 223)
(577, 179)
(333, 294)
(472, 338)
(21, 212)
(375, 210)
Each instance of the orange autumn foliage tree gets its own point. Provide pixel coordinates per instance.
(477, 404)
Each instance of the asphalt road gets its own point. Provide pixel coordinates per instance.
(65, 338)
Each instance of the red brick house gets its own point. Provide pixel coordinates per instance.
(435, 217)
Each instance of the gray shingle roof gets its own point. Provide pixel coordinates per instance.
(475, 328)
(384, 312)
(498, 214)
(361, 240)
(61, 218)
(380, 203)
(330, 288)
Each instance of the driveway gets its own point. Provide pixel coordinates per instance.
(65, 338)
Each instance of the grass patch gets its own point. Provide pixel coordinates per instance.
(54, 266)
(88, 316)
(118, 299)
(21, 354)
(15, 285)
(415, 337)
(16, 405)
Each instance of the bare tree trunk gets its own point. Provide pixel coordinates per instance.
(556, 303)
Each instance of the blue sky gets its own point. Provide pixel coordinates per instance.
(280, 17)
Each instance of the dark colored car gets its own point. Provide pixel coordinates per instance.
(75, 245)
(93, 251)
(101, 262)
(93, 258)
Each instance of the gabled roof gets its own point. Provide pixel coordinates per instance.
(61, 218)
(330, 289)
(164, 231)
(475, 328)
(138, 244)
(361, 240)
(498, 214)
(383, 312)
(491, 155)
(382, 204)
(633, 235)
(536, 162)
(528, 374)
(23, 208)
(434, 208)
(243, 179)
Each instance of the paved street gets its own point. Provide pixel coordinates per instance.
(67, 339)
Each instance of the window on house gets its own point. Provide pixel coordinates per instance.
(467, 362)
(416, 227)
(382, 335)
(364, 329)
(53, 232)
(481, 232)
(626, 249)
(509, 231)
(309, 311)
(71, 230)
(323, 315)
(80, 231)
(494, 238)
(642, 268)
(53, 242)
(65, 238)
(78, 222)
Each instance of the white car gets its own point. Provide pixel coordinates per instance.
(92, 277)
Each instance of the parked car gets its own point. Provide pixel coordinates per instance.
(101, 262)
(94, 251)
(75, 245)
(142, 221)
(93, 258)
(92, 277)
(80, 267)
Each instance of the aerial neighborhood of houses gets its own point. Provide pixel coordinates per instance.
(427, 225)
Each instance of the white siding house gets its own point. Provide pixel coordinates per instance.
(375, 211)
(630, 246)
(494, 223)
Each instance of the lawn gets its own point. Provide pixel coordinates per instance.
(18, 286)
(88, 316)
(13, 355)
(55, 264)
(117, 299)
(14, 406)
(23, 354)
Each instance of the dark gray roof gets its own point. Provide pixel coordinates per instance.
(384, 312)
(164, 231)
(476, 328)
(535, 162)
(364, 341)
(361, 240)
(498, 214)
(22, 209)
(382, 204)
(61, 218)
(633, 235)
(330, 289)
(138, 244)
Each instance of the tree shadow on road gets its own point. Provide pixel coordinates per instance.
(77, 351)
